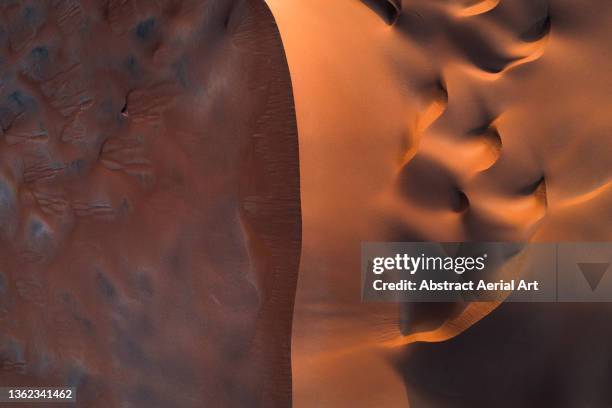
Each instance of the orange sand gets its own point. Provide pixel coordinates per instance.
(465, 120)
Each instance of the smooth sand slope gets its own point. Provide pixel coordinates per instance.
(463, 120)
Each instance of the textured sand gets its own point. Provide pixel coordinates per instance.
(149, 202)
(463, 120)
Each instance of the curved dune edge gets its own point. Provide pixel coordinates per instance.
(472, 314)
(479, 8)
(531, 52)
(586, 197)
(389, 10)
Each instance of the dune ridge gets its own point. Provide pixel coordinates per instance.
(442, 120)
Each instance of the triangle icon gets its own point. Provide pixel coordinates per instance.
(593, 272)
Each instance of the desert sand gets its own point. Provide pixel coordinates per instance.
(154, 203)
(447, 120)
(149, 202)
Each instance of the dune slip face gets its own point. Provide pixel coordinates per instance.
(447, 121)
(149, 202)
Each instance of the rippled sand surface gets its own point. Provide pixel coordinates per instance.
(149, 202)
(447, 121)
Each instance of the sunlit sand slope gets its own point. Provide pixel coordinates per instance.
(444, 121)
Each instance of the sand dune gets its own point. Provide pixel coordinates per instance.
(150, 187)
(149, 202)
(442, 120)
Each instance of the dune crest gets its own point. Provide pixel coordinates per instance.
(454, 121)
